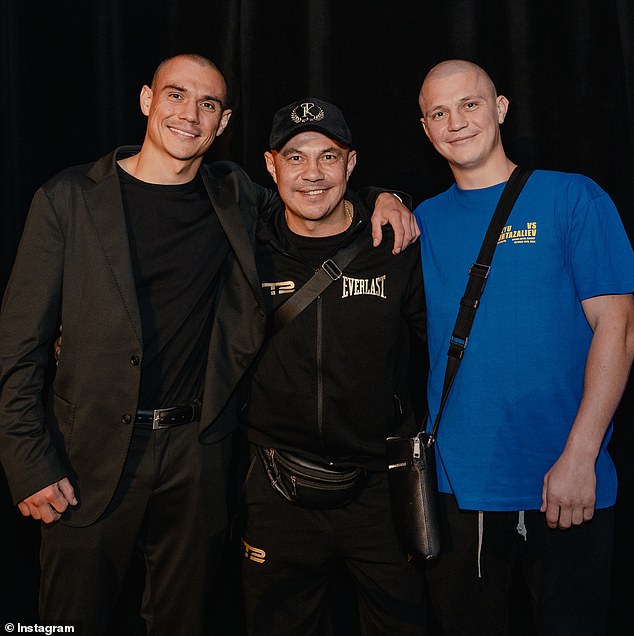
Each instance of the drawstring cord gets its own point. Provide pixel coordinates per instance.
(480, 539)
(521, 530)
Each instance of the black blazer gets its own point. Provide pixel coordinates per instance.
(73, 267)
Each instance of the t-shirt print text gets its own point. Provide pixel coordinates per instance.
(518, 236)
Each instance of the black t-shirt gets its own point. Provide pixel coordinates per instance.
(177, 247)
(316, 249)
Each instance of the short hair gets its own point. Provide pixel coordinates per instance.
(203, 61)
(449, 67)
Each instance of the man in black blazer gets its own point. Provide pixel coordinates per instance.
(145, 258)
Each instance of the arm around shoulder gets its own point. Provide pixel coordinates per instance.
(395, 209)
(263, 200)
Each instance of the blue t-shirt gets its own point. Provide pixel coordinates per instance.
(519, 385)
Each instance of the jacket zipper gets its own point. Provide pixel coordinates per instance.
(320, 376)
(319, 346)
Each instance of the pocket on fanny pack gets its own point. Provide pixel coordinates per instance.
(306, 483)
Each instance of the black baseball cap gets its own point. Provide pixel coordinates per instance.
(309, 113)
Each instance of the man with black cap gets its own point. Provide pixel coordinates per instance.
(146, 258)
(329, 386)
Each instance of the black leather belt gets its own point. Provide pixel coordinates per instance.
(172, 416)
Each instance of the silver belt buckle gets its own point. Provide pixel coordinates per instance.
(156, 420)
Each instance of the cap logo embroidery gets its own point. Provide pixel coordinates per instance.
(303, 113)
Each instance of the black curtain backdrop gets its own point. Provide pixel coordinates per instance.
(71, 73)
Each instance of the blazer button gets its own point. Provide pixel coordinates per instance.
(134, 361)
(126, 418)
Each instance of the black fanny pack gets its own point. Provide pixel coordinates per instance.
(308, 484)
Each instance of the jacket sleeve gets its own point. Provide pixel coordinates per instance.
(267, 200)
(369, 196)
(29, 321)
(262, 201)
(415, 315)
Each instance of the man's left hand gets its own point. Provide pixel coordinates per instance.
(569, 491)
(389, 209)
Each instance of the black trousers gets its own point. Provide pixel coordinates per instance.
(567, 572)
(170, 505)
(290, 553)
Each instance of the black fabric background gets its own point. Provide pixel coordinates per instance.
(71, 73)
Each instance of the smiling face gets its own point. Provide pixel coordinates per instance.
(462, 116)
(185, 111)
(311, 172)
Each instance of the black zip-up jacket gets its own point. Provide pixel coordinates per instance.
(333, 383)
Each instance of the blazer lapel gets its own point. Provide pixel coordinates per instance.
(105, 207)
(238, 234)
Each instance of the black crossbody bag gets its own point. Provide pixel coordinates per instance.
(298, 479)
(411, 460)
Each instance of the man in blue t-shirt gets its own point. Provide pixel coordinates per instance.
(522, 442)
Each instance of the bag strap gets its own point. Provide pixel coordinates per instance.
(478, 275)
(330, 271)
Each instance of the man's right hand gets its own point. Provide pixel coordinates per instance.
(49, 503)
(57, 347)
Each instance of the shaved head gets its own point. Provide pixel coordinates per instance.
(462, 113)
(451, 67)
